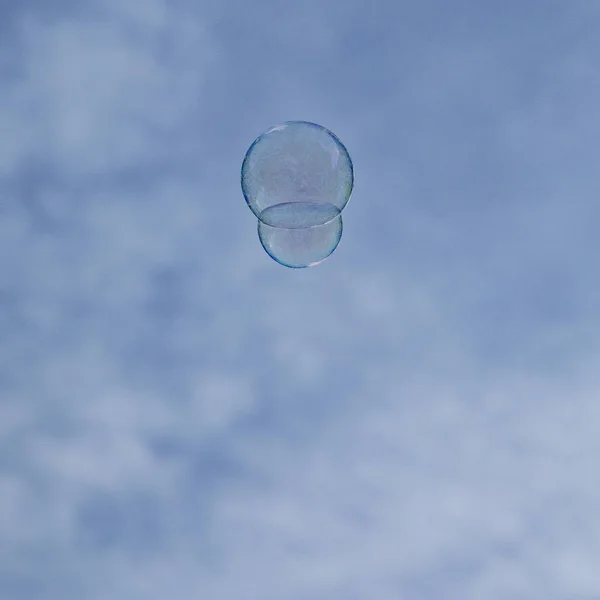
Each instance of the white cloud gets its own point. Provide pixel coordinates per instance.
(180, 417)
(97, 93)
(399, 489)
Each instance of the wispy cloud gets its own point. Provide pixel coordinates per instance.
(181, 417)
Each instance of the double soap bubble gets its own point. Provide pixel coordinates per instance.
(297, 178)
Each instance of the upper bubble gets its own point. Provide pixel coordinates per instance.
(299, 163)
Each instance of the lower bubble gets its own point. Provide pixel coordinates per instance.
(300, 234)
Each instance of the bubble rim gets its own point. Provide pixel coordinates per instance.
(321, 224)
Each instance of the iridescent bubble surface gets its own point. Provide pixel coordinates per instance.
(297, 178)
(297, 162)
(315, 234)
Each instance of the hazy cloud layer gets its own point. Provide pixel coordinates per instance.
(181, 417)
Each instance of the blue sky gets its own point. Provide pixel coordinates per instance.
(418, 417)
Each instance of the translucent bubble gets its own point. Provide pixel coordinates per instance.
(315, 234)
(297, 178)
(297, 162)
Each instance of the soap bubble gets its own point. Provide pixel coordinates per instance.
(314, 235)
(297, 162)
(297, 178)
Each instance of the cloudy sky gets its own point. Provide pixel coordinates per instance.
(416, 418)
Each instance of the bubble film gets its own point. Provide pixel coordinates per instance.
(315, 235)
(297, 178)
